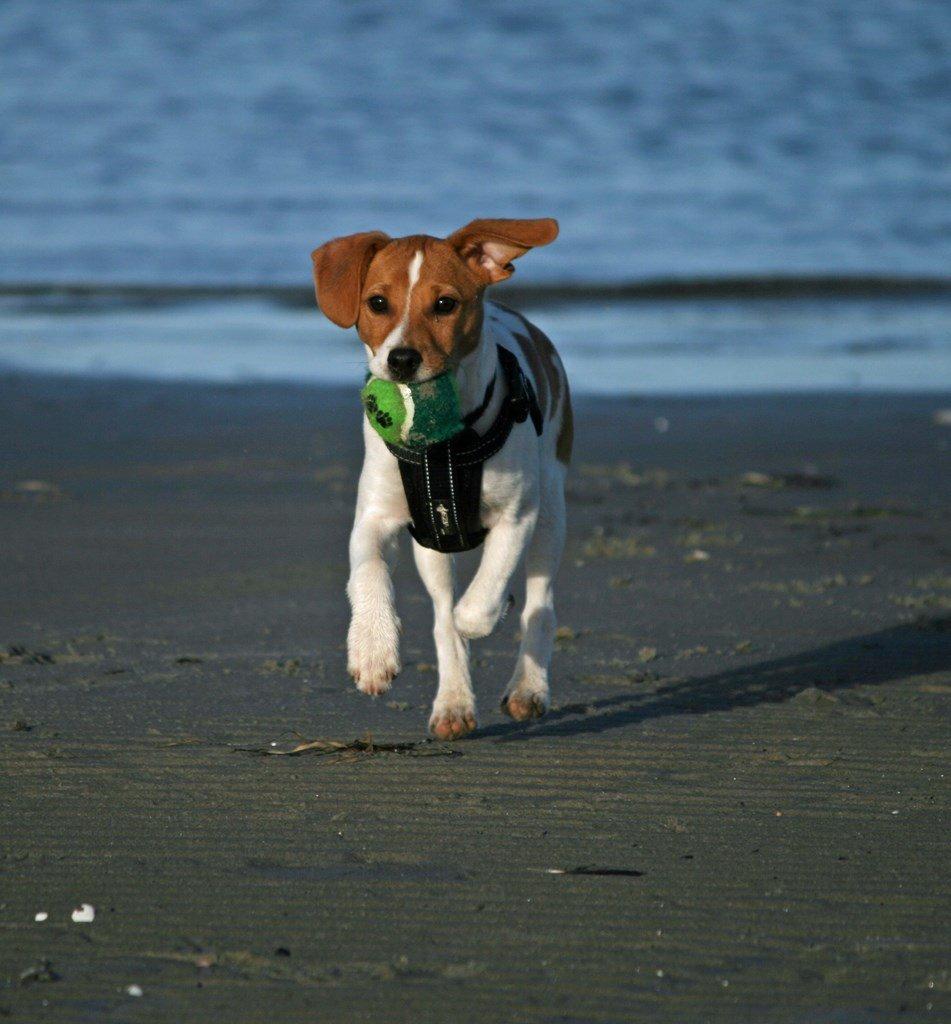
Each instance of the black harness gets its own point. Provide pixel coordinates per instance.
(443, 482)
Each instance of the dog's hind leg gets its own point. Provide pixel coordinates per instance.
(526, 695)
(454, 712)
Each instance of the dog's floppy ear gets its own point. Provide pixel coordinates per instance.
(488, 246)
(340, 267)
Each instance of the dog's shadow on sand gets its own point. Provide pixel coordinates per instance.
(906, 650)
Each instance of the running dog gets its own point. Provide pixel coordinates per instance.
(419, 307)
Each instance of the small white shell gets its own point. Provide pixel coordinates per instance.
(85, 913)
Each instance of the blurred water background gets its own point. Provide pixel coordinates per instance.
(751, 194)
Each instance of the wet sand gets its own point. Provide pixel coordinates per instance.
(749, 729)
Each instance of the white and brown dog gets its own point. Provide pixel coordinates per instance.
(418, 306)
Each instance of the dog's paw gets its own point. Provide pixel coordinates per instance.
(373, 656)
(374, 677)
(451, 720)
(523, 702)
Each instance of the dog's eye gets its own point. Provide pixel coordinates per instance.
(378, 303)
(445, 304)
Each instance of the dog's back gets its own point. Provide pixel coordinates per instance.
(544, 368)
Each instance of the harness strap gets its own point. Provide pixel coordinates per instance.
(472, 418)
(443, 482)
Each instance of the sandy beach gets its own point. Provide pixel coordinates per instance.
(737, 809)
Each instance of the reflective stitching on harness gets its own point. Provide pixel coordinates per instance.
(429, 495)
(452, 492)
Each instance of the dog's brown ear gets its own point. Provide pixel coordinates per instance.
(340, 267)
(488, 246)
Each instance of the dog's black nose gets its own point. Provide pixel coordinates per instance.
(404, 362)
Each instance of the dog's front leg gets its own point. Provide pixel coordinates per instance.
(454, 712)
(373, 656)
(480, 608)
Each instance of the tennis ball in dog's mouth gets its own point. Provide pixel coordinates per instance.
(413, 415)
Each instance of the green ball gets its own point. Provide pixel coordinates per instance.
(413, 415)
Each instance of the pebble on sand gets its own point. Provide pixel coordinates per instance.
(85, 913)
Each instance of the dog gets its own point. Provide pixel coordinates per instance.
(419, 307)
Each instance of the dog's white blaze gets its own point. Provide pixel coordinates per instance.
(415, 265)
(395, 338)
(414, 268)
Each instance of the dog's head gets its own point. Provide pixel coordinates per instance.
(417, 301)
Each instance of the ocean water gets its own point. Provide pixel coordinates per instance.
(216, 143)
(687, 346)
